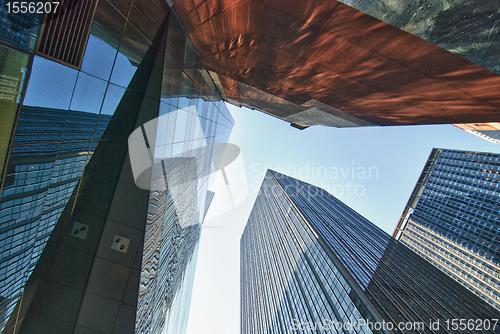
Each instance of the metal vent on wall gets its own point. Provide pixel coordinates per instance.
(65, 31)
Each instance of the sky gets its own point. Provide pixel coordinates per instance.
(371, 169)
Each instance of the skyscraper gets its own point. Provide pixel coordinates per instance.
(452, 219)
(83, 247)
(309, 262)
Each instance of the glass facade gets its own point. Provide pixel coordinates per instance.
(41, 176)
(452, 219)
(19, 29)
(310, 263)
(83, 249)
(491, 135)
(286, 272)
(13, 70)
(192, 118)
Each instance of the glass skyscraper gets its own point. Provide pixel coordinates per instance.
(83, 248)
(452, 219)
(309, 263)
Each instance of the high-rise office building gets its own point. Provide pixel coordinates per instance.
(452, 219)
(84, 248)
(309, 262)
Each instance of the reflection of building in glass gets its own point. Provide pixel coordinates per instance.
(18, 29)
(66, 29)
(452, 219)
(39, 181)
(13, 65)
(168, 261)
(488, 131)
(84, 246)
(306, 257)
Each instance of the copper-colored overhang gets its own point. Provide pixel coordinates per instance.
(329, 52)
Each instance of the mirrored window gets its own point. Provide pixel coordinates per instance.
(13, 72)
(113, 97)
(18, 29)
(51, 84)
(89, 93)
(99, 58)
(132, 49)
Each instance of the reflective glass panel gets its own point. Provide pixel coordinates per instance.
(18, 29)
(13, 66)
(89, 93)
(113, 97)
(51, 84)
(132, 49)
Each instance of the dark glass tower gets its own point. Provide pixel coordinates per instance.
(452, 219)
(310, 262)
(110, 86)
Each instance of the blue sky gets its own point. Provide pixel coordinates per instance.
(337, 159)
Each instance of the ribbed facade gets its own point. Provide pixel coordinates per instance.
(66, 30)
